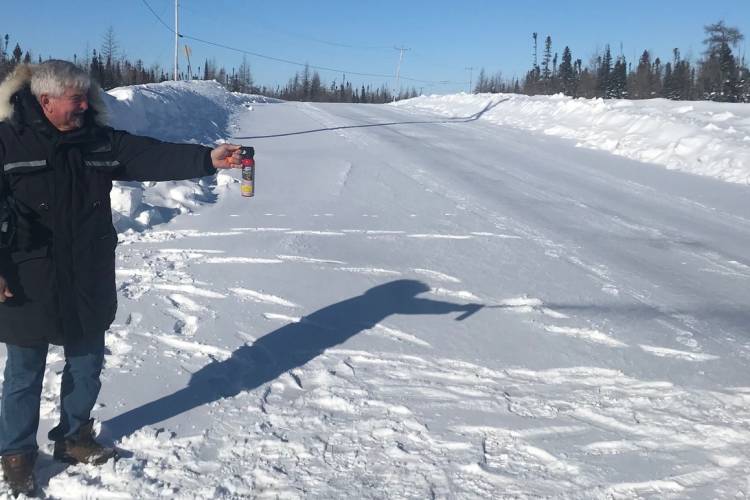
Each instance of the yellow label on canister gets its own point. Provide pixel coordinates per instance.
(246, 188)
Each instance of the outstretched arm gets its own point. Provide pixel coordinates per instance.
(140, 158)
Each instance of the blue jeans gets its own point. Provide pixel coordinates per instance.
(22, 390)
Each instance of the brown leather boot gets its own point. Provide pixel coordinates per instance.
(83, 448)
(19, 473)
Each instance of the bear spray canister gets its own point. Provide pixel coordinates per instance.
(247, 184)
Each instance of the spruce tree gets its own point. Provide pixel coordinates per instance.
(642, 87)
(17, 54)
(315, 87)
(730, 85)
(567, 75)
(604, 75)
(546, 72)
(618, 85)
(668, 87)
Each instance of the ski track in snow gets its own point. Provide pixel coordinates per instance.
(308, 260)
(457, 294)
(436, 275)
(586, 334)
(264, 298)
(242, 260)
(373, 271)
(399, 336)
(664, 352)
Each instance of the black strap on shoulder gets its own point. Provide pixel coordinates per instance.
(7, 216)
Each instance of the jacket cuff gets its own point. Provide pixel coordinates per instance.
(208, 164)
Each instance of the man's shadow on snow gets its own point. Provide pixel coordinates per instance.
(286, 348)
(461, 119)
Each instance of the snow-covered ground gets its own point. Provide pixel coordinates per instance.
(418, 305)
(704, 138)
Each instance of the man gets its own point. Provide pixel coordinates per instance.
(57, 248)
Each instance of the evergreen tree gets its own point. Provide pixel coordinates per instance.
(17, 54)
(657, 78)
(305, 90)
(604, 75)
(618, 84)
(719, 75)
(642, 82)
(567, 73)
(546, 72)
(244, 77)
(681, 82)
(481, 85)
(730, 84)
(315, 87)
(110, 45)
(718, 34)
(531, 82)
(668, 86)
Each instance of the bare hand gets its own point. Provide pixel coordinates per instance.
(226, 156)
(5, 292)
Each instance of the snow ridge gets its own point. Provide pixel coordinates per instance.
(704, 138)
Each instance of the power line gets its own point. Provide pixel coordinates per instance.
(295, 63)
(274, 28)
(157, 16)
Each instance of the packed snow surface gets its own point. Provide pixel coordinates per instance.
(422, 305)
(700, 137)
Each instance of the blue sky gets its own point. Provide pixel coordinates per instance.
(445, 37)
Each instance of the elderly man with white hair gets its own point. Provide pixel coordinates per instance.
(57, 249)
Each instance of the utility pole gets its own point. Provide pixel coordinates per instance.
(188, 52)
(398, 70)
(471, 77)
(176, 38)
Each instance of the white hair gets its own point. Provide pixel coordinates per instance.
(53, 77)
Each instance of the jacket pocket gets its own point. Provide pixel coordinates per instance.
(30, 183)
(21, 256)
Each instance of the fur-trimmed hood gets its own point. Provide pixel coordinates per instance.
(21, 77)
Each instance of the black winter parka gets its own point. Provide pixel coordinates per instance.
(60, 264)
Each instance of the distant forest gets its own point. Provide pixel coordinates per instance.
(112, 69)
(718, 75)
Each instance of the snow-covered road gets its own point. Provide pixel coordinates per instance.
(322, 340)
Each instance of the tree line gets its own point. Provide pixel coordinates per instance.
(718, 75)
(110, 68)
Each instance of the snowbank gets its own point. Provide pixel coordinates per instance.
(195, 111)
(704, 138)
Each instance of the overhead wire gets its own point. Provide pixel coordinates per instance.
(274, 28)
(296, 63)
